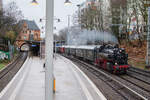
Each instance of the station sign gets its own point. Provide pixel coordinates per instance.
(33, 45)
(57, 44)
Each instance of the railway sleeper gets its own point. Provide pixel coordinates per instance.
(121, 88)
(108, 80)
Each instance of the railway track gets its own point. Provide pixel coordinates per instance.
(127, 87)
(139, 74)
(140, 71)
(8, 72)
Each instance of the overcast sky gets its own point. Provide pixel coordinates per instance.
(61, 11)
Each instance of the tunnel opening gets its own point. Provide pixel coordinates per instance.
(35, 49)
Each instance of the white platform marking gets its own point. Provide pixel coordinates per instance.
(10, 84)
(102, 97)
(16, 91)
(83, 86)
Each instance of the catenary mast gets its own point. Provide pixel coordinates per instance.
(1, 5)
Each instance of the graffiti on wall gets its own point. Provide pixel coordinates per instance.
(4, 55)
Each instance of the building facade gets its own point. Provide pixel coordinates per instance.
(29, 31)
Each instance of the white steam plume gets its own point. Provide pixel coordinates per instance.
(83, 37)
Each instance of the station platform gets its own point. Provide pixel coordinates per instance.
(28, 83)
(71, 82)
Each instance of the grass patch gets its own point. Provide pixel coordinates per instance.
(3, 63)
(2, 66)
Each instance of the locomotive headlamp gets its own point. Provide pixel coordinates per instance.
(116, 64)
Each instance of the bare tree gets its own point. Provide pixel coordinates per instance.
(13, 11)
(9, 19)
(63, 34)
(137, 10)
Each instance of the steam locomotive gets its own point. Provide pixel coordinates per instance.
(108, 57)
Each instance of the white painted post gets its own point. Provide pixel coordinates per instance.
(55, 47)
(148, 40)
(49, 50)
(40, 50)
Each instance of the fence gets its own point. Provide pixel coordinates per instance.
(4, 45)
(6, 50)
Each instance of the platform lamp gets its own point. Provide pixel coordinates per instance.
(67, 2)
(34, 2)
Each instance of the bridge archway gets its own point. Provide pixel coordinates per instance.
(25, 47)
(34, 47)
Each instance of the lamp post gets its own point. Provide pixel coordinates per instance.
(68, 30)
(67, 2)
(79, 15)
(147, 4)
(148, 42)
(49, 48)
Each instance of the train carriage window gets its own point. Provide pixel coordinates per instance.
(89, 53)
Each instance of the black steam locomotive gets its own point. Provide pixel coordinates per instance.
(109, 57)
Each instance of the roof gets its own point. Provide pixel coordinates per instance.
(89, 47)
(31, 25)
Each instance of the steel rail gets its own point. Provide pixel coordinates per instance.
(116, 81)
(8, 68)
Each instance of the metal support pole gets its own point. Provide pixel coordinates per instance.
(40, 50)
(68, 39)
(79, 16)
(49, 50)
(55, 47)
(148, 41)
